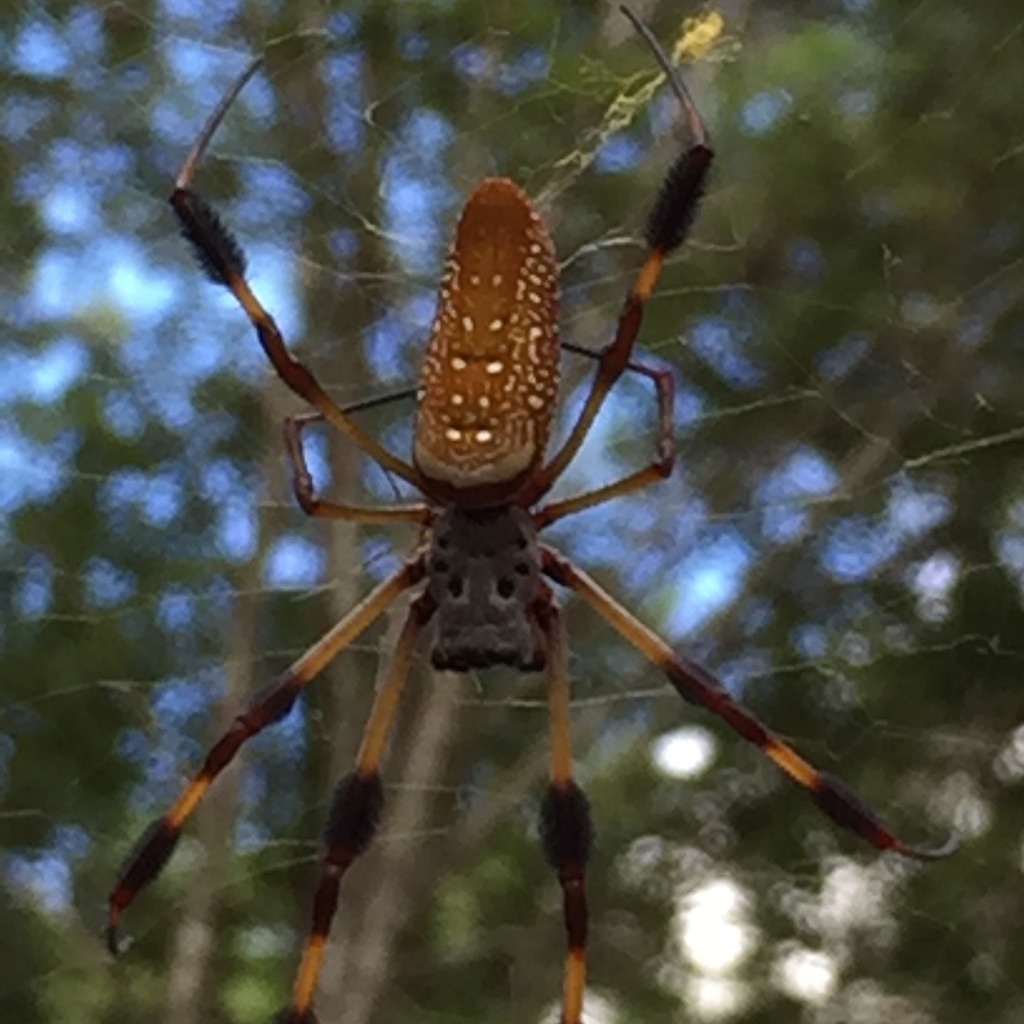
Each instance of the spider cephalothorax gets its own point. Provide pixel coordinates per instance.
(483, 574)
(483, 596)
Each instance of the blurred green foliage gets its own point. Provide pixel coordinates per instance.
(842, 540)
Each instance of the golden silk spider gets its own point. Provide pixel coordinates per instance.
(482, 593)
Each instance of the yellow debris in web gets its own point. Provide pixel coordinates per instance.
(697, 36)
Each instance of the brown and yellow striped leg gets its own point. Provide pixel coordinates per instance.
(565, 825)
(223, 260)
(305, 494)
(667, 225)
(157, 844)
(696, 685)
(660, 469)
(355, 813)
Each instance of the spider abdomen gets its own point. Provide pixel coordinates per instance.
(490, 373)
(483, 575)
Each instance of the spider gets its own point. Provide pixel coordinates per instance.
(481, 577)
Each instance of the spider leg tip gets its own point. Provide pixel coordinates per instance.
(113, 943)
(932, 853)
(289, 1016)
(629, 13)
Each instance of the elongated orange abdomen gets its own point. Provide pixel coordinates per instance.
(490, 374)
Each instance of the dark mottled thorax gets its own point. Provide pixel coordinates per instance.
(484, 576)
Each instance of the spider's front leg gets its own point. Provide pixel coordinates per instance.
(223, 260)
(667, 225)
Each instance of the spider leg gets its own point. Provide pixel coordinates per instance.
(696, 685)
(667, 224)
(302, 484)
(157, 844)
(223, 260)
(565, 825)
(659, 469)
(355, 812)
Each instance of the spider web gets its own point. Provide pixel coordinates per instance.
(841, 541)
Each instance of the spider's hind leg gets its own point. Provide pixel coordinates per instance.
(565, 825)
(698, 686)
(355, 813)
(154, 849)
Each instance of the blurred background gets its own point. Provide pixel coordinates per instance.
(842, 541)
